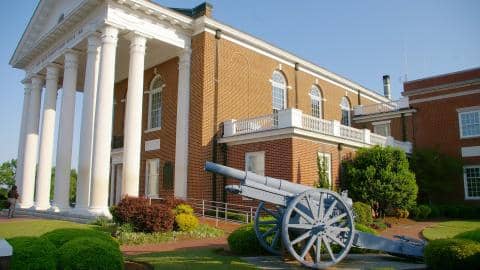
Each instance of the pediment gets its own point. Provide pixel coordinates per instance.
(46, 16)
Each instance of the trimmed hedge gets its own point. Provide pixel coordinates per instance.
(363, 213)
(452, 254)
(59, 237)
(243, 241)
(365, 229)
(421, 211)
(471, 235)
(448, 211)
(186, 222)
(32, 253)
(90, 253)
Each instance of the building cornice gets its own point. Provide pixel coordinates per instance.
(383, 116)
(441, 87)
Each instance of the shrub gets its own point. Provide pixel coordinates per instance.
(452, 254)
(363, 213)
(424, 211)
(143, 216)
(32, 253)
(90, 253)
(186, 222)
(183, 209)
(471, 235)
(380, 224)
(243, 241)
(381, 177)
(59, 237)
(365, 229)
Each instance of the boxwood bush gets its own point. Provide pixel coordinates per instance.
(32, 253)
(90, 253)
(363, 213)
(452, 254)
(243, 241)
(61, 236)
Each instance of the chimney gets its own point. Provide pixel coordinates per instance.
(386, 87)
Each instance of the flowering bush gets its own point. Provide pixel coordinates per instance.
(186, 222)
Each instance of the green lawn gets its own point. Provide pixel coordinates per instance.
(200, 259)
(34, 227)
(449, 229)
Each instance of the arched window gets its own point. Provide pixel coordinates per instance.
(155, 103)
(345, 107)
(279, 91)
(316, 99)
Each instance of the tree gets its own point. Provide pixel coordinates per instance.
(73, 185)
(8, 169)
(322, 172)
(381, 177)
(435, 173)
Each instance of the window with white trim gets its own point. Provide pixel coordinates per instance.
(382, 128)
(326, 160)
(279, 91)
(152, 177)
(316, 100)
(255, 162)
(469, 123)
(471, 179)
(346, 110)
(155, 103)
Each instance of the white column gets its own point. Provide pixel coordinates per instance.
(183, 111)
(21, 137)
(86, 131)
(103, 123)
(42, 192)
(65, 134)
(31, 144)
(133, 116)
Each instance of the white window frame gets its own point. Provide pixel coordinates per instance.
(376, 125)
(467, 197)
(258, 154)
(329, 161)
(463, 111)
(346, 108)
(150, 94)
(316, 98)
(282, 85)
(148, 192)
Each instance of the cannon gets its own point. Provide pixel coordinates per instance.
(316, 226)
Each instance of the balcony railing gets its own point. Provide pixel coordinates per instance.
(293, 118)
(391, 106)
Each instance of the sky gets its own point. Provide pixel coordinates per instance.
(360, 40)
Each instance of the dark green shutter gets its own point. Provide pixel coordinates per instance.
(168, 175)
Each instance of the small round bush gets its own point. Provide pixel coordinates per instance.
(363, 213)
(61, 236)
(471, 235)
(452, 254)
(183, 209)
(243, 241)
(89, 253)
(186, 222)
(32, 253)
(424, 211)
(365, 229)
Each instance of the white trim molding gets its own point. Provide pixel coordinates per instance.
(471, 151)
(457, 94)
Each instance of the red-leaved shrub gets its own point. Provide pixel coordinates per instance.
(143, 216)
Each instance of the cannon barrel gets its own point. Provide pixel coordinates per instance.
(270, 182)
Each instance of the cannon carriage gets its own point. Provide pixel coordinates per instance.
(316, 226)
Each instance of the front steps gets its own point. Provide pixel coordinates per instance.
(67, 216)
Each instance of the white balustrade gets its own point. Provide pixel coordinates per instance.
(351, 133)
(376, 139)
(256, 124)
(382, 107)
(316, 124)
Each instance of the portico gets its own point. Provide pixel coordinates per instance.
(93, 45)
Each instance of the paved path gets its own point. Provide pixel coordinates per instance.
(351, 262)
(406, 227)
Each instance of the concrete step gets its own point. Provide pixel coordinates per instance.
(67, 216)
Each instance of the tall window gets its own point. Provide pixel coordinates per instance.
(326, 162)
(471, 178)
(345, 107)
(316, 99)
(381, 128)
(469, 123)
(279, 91)
(152, 175)
(255, 162)
(155, 103)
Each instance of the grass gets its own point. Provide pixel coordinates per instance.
(199, 259)
(34, 227)
(450, 229)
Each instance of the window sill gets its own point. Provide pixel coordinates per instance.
(152, 130)
(472, 198)
(470, 137)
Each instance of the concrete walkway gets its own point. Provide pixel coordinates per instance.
(351, 262)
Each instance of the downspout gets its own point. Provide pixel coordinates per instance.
(218, 34)
(297, 65)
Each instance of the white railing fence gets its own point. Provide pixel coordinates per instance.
(316, 124)
(391, 106)
(250, 125)
(351, 133)
(223, 211)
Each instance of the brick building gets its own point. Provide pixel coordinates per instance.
(442, 113)
(152, 117)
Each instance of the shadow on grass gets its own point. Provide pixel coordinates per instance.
(199, 259)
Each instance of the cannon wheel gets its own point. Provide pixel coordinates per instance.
(318, 223)
(269, 231)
